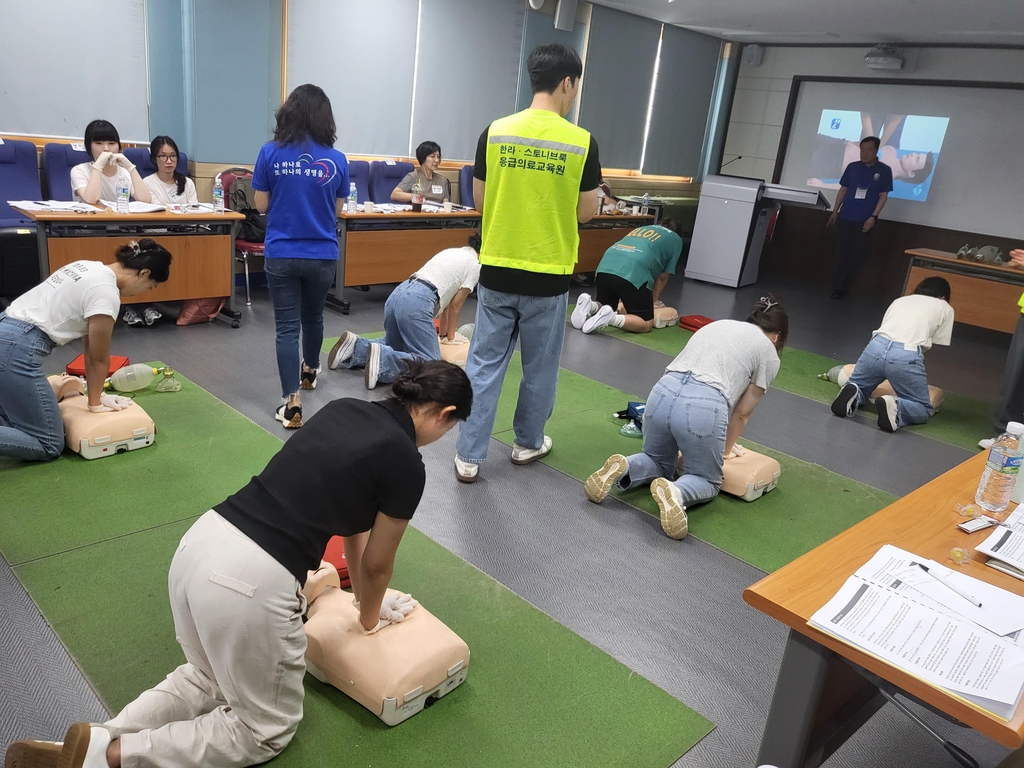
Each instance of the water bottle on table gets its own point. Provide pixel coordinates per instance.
(645, 205)
(353, 198)
(123, 190)
(218, 196)
(1001, 470)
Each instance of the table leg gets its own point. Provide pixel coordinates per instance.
(336, 299)
(44, 251)
(819, 703)
(228, 313)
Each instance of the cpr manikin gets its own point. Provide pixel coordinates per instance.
(394, 672)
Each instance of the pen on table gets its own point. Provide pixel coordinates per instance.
(964, 595)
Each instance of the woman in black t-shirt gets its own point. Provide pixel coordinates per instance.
(235, 581)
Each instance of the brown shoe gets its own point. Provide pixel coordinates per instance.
(29, 753)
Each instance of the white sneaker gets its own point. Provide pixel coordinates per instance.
(599, 319)
(523, 456)
(600, 483)
(888, 413)
(84, 746)
(372, 370)
(582, 311)
(986, 443)
(150, 315)
(670, 505)
(465, 472)
(342, 350)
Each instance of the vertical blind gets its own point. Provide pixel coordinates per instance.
(617, 84)
(467, 72)
(363, 55)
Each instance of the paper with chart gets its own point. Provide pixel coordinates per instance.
(1007, 543)
(894, 621)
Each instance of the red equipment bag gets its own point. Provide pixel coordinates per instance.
(335, 555)
(693, 322)
(77, 366)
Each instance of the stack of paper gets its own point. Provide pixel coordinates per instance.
(52, 205)
(931, 625)
(1005, 546)
(135, 206)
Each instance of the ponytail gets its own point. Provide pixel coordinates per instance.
(770, 316)
(434, 383)
(146, 254)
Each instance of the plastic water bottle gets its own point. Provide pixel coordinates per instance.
(353, 197)
(123, 190)
(645, 205)
(1001, 469)
(218, 196)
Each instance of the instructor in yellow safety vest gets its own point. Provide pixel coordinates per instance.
(535, 178)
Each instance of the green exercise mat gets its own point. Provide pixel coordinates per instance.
(810, 505)
(536, 693)
(961, 422)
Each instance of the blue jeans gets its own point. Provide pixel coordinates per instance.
(409, 332)
(501, 318)
(298, 288)
(688, 416)
(883, 359)
(30, 424)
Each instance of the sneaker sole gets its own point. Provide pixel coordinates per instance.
(293, 423)
(33, 754)
(76, 746)
(885, 422)
(598, 321)
(579, 316)
(308, 384)
(523, 462)
(673, 515)
(467, 479)
(841, 405)
(332, 356)
(599, 485)
(372, 369)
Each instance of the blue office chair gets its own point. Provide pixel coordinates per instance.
(384, 177)
(58, 160)
(359, 172)
(466, 186)
(19, 180)
(140, 158)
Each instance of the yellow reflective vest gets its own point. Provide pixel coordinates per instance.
(535, 162)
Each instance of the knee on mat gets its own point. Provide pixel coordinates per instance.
(52, 446)
(269, 748)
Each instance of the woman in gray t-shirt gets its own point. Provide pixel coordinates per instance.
(436, 188)
(699, 409)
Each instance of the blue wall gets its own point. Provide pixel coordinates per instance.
(166, 71)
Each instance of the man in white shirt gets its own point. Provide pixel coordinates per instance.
(912, 324)
(437, 290)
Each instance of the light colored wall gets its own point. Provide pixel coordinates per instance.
(762, 93)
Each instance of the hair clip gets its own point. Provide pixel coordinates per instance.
(135, 247)
(768, 303)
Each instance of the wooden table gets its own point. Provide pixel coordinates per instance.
(824, 691)
(202, 246)
(983, 294)
(376, 248)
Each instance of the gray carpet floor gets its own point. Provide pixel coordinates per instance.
(672, 611)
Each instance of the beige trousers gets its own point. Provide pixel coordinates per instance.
(238, 698)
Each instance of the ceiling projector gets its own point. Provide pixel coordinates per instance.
(884, 57)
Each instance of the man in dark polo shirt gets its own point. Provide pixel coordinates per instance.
(863, 192)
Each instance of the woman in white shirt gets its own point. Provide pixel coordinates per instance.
(78, 301)
(167, 186)
(95, 181)
(699, 409)
(437, 290)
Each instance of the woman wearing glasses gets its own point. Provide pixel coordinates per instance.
(167, 186)
(436, 188)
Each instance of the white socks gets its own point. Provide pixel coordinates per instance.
(617, 320)
(96, 755)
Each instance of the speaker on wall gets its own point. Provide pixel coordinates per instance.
(753, 55)
(565, 15)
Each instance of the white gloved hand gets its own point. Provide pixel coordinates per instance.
(111, 403)
(103, 160)
(395, 608)
(659, 304)
(124, 162)
(737, 451)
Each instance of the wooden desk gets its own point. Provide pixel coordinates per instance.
(823, 693)
(983, 294)
(202, 246)
(376, 248)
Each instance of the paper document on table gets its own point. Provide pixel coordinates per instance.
(1006, 543)
(941, 648)
(1001, 612)
(52, 205)
(135, 206)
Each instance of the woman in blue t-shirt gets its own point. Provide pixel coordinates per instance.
(300, 182)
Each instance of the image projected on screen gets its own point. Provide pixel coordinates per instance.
(910, 146)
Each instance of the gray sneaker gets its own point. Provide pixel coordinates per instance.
(342, 350)
(372, 369)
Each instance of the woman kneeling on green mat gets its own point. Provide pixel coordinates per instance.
(699, 408)
(235, 582)
(78, 301)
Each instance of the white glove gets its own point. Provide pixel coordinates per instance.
(394, 609)
(124, 162)
(103, 160)
(111, 403)
(659, 304)
(737, 451)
